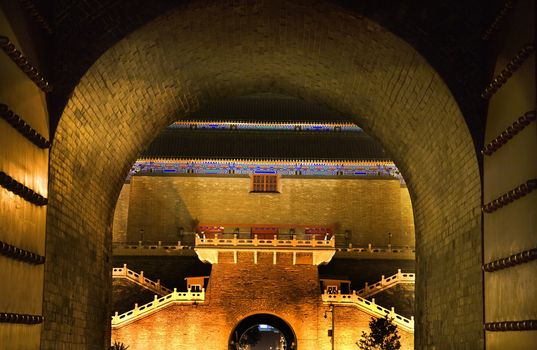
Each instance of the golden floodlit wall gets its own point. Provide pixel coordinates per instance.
(159, 206)
(24, 167)
(121, 214)
(236, 291)
(510, 230)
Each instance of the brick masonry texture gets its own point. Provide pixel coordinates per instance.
(121, 213)
(236, 291)
(368, 208)
(321, 54)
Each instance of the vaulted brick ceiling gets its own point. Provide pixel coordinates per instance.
(447, 33)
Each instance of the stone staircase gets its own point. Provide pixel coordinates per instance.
(175, 297)
(386, 283)
(370, 307)
(139, 279)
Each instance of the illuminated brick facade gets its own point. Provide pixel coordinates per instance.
(367, 208)
(249, 283)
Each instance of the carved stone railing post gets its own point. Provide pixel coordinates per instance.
(139, 279)
(188, 297)
(385, 283)
(370, 307)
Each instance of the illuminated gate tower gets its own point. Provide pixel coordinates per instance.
(255, 281)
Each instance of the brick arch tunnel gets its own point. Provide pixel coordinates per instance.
(209, 50)
(263, 319)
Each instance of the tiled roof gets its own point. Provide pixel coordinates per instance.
(282, 145)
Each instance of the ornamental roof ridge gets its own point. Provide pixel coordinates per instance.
(269, 122)
(264, 126)
(271, 160)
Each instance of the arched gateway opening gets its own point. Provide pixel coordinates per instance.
(321, 54)
(250, 331)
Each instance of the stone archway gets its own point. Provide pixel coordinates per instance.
(267, 319)
(322, 54)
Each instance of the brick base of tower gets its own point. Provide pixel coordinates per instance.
(238, 290)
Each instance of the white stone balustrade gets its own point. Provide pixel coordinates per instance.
(381, 252)
(175, 297)
(264, 242)
(149, 245)
(138, 278)
(369, 307)
(380, 249)
(179, 248)
(209, 249)
(386, 283)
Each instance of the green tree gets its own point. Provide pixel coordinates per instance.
(119, 346)
(383, 335)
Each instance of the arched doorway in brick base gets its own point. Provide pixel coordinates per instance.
(263, 319)
(213, 49)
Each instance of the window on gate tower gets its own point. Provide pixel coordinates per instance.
(264, 183)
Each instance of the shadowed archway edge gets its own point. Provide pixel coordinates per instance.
(263, 318)
(209, 50)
